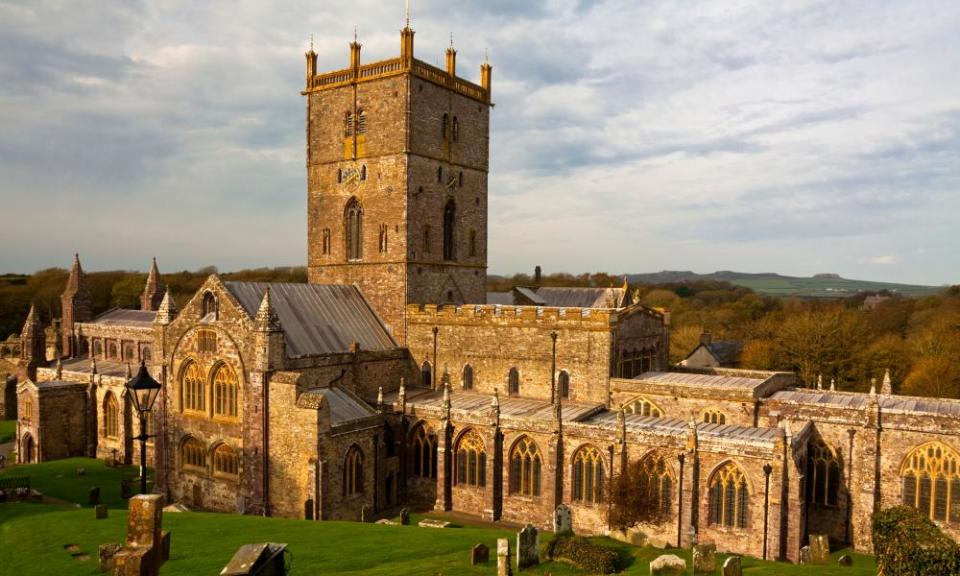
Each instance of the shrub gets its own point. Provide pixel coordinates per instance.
(581, 552)
(907, 543)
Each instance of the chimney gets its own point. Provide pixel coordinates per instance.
(537, 274)
(706, 338)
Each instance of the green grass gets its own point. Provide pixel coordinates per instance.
(58, 479)
(8, 429)
(33, 537)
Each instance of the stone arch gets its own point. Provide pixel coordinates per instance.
(588, 475)
(423, 451)
(28, 449)
(642, 406)
(526, 467)
(353, 479)
(353, 229)
(471, 459)
(728, 489)
(225, 460)
(656, 482)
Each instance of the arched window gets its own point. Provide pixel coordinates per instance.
(193, 388)
(443, 127)
(27, 409)
(112, 351)
(226, 392)
(111, 416)
(426, 375)
(456, 129)
(449, 238)
(588, 483)
(383, 238)
(471, 460)
(931, 482)
(711, 416)
(225, 461)
(468, 377)
(353, 225)
(643, 407)
(193, 454)
(440, 174)
(326, 240)
(473, 242)
(525, 468)
(363, 172)
(563, 380)
(147, 354)
(655, 484)
(424, 452)
(353, 471)
(460, 179)
(513, 382)
(348, 124)
(97, 349)
(209, 308)
(129, 354)
(361, 121)
(339, 175)
(729, 497)
(823, 474)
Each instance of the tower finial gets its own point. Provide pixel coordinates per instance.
(354, 33)
(407, 12)
(486, 58)
(311, 41)
(451, 39)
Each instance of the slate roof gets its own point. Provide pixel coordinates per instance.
(317, 319)
(727, 352)
(502, 298)
(695, 380)
(510, 406)
(345, 408)
(123, 317)
(941, 406)
(570, 297)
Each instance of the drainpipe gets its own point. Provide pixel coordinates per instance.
(681, 457)
(767, 469)
(433, 372)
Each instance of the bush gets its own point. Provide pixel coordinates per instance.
(907, 543)
(579, 551)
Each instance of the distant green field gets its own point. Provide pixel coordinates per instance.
(8, 429)
(34, 539)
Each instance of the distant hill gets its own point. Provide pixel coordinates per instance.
(827, 285)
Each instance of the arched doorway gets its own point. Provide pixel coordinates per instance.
(27, 449)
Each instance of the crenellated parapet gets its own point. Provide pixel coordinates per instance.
(503, 315)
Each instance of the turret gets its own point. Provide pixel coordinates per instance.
(486, 77)
(271, 348)
(33, 346)
(76, 306)
(451, 59)
(311, 63)
(355, 54)
(153, 290)
(167, 311)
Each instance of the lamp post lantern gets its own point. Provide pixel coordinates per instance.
(144, 390)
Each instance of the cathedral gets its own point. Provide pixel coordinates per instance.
(392, 378)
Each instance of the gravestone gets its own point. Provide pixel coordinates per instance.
(704, 559)
(81, 471)
(264, 559)
(94, 495)
(668, 565)
(366, 513)
(503, 557)
(805, 555)
(561, 519)
(732, 567)
(147, 546)
(387, 522)
(479, 555)
(101, 511)
(845, 560)
(528, 547)
(431, 523)
(106, 554)
(819, 549)
(404, 516)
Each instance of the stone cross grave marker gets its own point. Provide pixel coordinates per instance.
(503, 557)
(561, 519)
(479, 555)
(147, 546)
(528, 547)
(704, 559)
(732, 567)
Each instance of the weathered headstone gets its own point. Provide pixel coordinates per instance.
(819, 549)
(805, 555)
(668, 565)
(732, 567)
(479, 555)
(845, 560)
(366, 514)
(404, 516)
(503, 557)
(561, 519)
(528, 547)
(81, 471)
(704, 559)
(94, 495)
(106, 554)
(101, 511)
(266, 558)
(387, 522)
(431, 523)
(147, 546)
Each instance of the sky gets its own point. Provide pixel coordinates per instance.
(797, 137)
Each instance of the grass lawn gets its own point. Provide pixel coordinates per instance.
(58, 479)
(33, 538)
(8, 429)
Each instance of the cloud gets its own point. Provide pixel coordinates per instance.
(628, 136)
(885, 260)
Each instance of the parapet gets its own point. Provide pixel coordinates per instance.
(511, 315)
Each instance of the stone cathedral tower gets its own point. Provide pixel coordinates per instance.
(397, 161)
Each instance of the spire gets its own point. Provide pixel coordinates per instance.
(451, 58)
(267, 320)
(153, 290)
(76, 306)
(873, 386)
(406, 13)
(486, 75)
(32, 339)
(75, 280)
(167, 311)
(887, 386)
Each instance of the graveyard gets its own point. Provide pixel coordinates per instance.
(61, 534)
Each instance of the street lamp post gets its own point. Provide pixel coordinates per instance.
(144, 390)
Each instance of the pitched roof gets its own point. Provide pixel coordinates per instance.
(502, 298)
(317, 318)
(725, 351)
(570, 297)
(124, 317)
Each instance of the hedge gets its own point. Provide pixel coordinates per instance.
(581, 552)
(907, 543)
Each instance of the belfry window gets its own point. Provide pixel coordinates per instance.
(729, 497)
(449, 238)
(513, 382)
(361, 121)
(353, 218)
(348, 124)
(563, 381)
(588, 484)
(443, 127)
